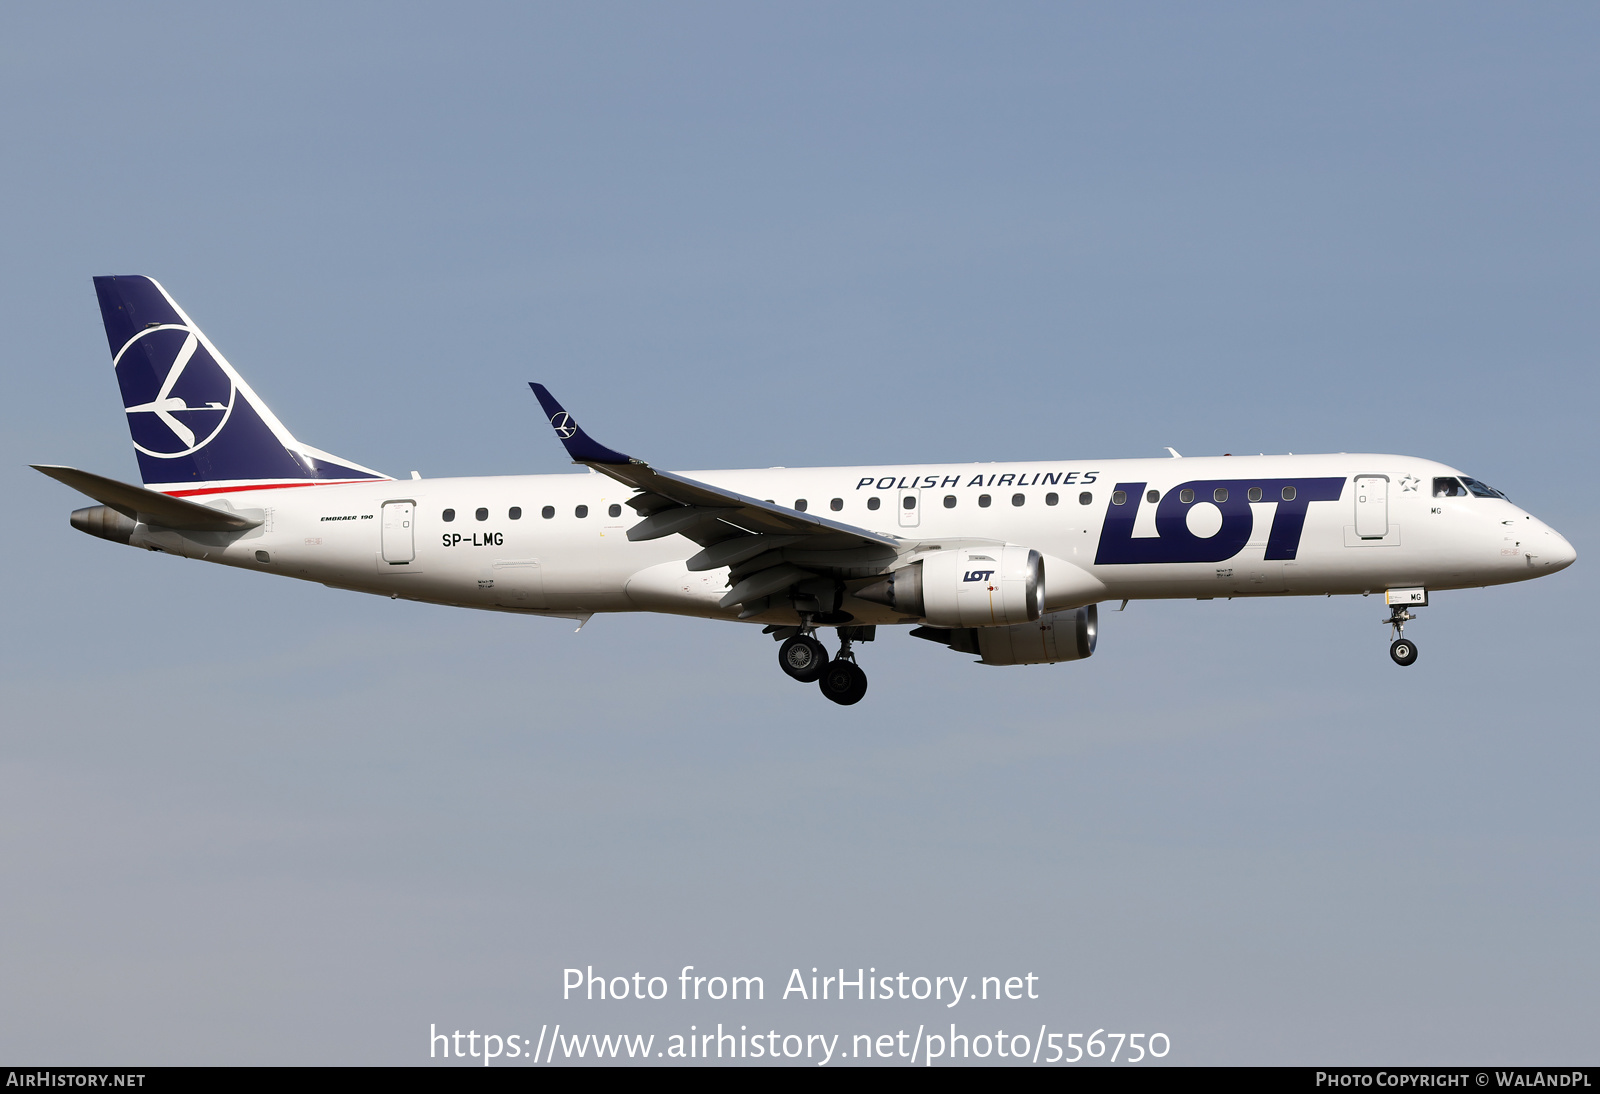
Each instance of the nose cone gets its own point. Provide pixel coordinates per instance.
(1550, 551)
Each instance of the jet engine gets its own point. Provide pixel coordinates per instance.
(105, 522)
(967, 587)
(1055, 636)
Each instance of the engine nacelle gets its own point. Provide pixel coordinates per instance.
(105, 522)
(1056, 636)
(966, 587)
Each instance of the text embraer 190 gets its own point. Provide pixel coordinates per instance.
(1004, 561)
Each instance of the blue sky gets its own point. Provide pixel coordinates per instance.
(253, 822)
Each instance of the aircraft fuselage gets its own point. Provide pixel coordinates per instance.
(467, 549)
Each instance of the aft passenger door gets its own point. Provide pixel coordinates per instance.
(399, 532)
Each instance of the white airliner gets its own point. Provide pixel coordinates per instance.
(1004, 561)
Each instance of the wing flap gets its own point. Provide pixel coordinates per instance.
(669, 521)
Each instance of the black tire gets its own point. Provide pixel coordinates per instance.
(1404, 651)
(803, 658)
(843, 682)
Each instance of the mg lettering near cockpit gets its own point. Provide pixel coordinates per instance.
(1006, 562)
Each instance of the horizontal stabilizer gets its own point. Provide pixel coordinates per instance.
(149, 506)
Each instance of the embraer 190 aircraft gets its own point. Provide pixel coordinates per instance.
(1004, 561)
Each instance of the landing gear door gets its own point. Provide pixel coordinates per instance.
(910, 508)
(399, 533)
(1372, 506)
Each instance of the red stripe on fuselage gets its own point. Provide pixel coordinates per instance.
(265, 486)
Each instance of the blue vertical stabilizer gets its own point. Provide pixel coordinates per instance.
(197, 426)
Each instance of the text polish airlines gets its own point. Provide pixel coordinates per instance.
(1004, 561)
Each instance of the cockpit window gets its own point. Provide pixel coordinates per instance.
(1448, 488)
(1481, 489)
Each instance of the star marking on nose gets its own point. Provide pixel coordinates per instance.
(1409, 484)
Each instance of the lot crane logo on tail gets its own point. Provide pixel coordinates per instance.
(176, 395)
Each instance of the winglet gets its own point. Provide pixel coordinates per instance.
(580, 446)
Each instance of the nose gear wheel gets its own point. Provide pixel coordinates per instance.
(1402, 650)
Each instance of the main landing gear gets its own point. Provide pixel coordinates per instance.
(1402, 649)
(803, 657)
(843, 681)
(806, 659)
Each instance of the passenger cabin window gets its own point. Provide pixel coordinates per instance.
(448, 515)
(1287, 493)
(547, 512)
(1018, 499)
(1186, 496)
(515, 513)
(1220, 494)
(1152, 496)
(983, 501)
(908, 502)
(872, 503)
(1086, 498)
(1052, 499)
(581, 511)
(800, 505)
(482, 514)
(949, 501)
(836, 504)
(1254, 493)
(1481, 489)
(1119, 497)
(615, 511)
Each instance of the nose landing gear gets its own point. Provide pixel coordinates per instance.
(1402, 650)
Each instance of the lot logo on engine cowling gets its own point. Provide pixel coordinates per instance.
(176, 395)
(1176, 541)
(978, 575)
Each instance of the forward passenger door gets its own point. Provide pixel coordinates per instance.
(1372, 506)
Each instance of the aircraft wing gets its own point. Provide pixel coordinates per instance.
(150, 506)
(769, 548)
